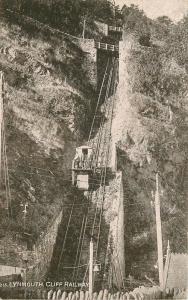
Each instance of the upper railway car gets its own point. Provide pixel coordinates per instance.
(82, 167)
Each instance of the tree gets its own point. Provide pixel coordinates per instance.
(164, 20)
(66, 14)
(136, 21)
(177, 42)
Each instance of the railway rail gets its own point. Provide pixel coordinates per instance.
(92, 211)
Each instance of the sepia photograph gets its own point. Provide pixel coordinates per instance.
(93, 149)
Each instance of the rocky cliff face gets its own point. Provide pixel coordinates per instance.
(48, 104)
(147, 133)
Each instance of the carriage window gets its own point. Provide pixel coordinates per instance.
(85, 151)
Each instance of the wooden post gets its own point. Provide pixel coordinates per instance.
(1, 118)
(167, 262)
(114, 157)
(25, 260)
(91, 269)
(159, 233)
(114, 6)
(84, 28)
(25, 213)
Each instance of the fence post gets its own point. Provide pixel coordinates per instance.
(105, 295)
(127, 296)
(58, 294)
(100, 296)
(82, 295)
(77, 295)
(50, 293)
(64, 296)
(70, 295)
(44, 294)
(132, 295)
(111, 297)
(73, 296)
(95, 295)
(54, 296)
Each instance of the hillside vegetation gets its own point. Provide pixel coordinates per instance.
(49, 104)
(66, 15)
(153, 106)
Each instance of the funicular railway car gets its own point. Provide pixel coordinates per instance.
(82, 168)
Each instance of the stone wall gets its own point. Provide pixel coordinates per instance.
(114, 215)
(9, 270)
(44, 250)
(38, 260)
(117, 233)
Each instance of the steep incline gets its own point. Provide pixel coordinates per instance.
(48, 103)
(148, 138)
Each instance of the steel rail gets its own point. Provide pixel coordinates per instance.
(107, 93)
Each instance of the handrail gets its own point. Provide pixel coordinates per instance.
(105, 46)
(114, 28)
(98, 45)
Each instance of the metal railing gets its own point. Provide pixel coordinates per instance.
(107, 47)
(114, 28)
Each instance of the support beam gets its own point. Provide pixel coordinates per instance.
(1, 119)
(159, 233)
(91, 269)
(167, 262)
(84, 29)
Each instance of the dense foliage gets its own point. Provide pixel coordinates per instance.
(159, 85)
(67, 15)
(158, 76)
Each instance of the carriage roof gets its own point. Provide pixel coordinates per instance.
(84, 147)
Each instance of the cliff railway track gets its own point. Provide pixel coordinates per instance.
(92, 208)
(92, 205)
